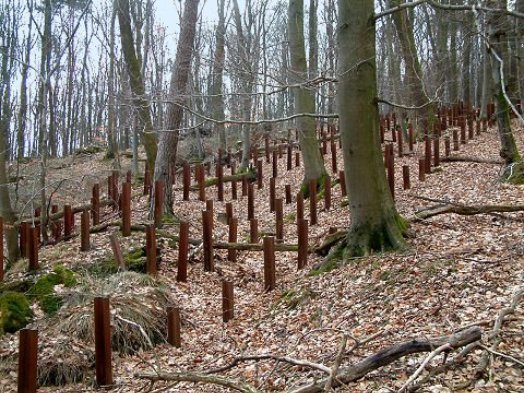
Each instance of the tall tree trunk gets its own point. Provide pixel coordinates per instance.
(499, 51)
(313, 39)
(22, 112)
(466, 61)
(136, 81)
(486, 82)
(112, 145)
(246, 82)
(218, 76)
(304, 100)
(42, 109)
(8, 45)
(168, 141)
(375, 223)
(404, 28)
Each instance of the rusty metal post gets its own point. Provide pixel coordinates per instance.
(117, 251)
(95, 204)
(313, 201)
(85, 243)
(186, 181)
(333, 155)
(250, 201)
(279, 219)
(104, 370)
(126, 209)
(183, 248)
(199, 173)
(289, 158)
(422, 169)
(68, 221)
(228, 302)
(260, 175)
(327, 192)
(253, 231)
(272, 196)
(300, 205)
(151, 266)
(275, 163)
(207, 236)
(302, 229)
(219, 169)
(405, 177)
(173, 327)
(288, 194)
(390, 164)
(436, 152)
(27, 361)
(427, 154)
(33, 248)
(232, 238)
(269, 263)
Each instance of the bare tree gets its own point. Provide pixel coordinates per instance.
(375, 223)
(304, 99)
(136, 81)
(168, 141)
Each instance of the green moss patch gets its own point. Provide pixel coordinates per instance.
(15, 312)
(135, 261)
(44, 288)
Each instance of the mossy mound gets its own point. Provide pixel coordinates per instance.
(15, 312)
(135, 261)
(44, 288)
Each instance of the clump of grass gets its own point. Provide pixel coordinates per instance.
(138, 310)
(138, 322)
(64, 360)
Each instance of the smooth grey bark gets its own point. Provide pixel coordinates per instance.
(217, 99)
(502, 91)
(375, 223)
(304, 100)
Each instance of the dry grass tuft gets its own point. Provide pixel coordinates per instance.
(138, 321)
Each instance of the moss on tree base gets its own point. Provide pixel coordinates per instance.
(514, 173)
(364, 239)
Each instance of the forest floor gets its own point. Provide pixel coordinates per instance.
(457, 271)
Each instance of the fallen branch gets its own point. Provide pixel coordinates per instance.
(502, 317)
(395, 352)
(495, 335)
(465, 210)
(477, 160)
(335, 378)
(253, 246)
(442, 348)
(200, 378)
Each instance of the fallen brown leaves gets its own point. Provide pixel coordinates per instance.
(458, 270)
